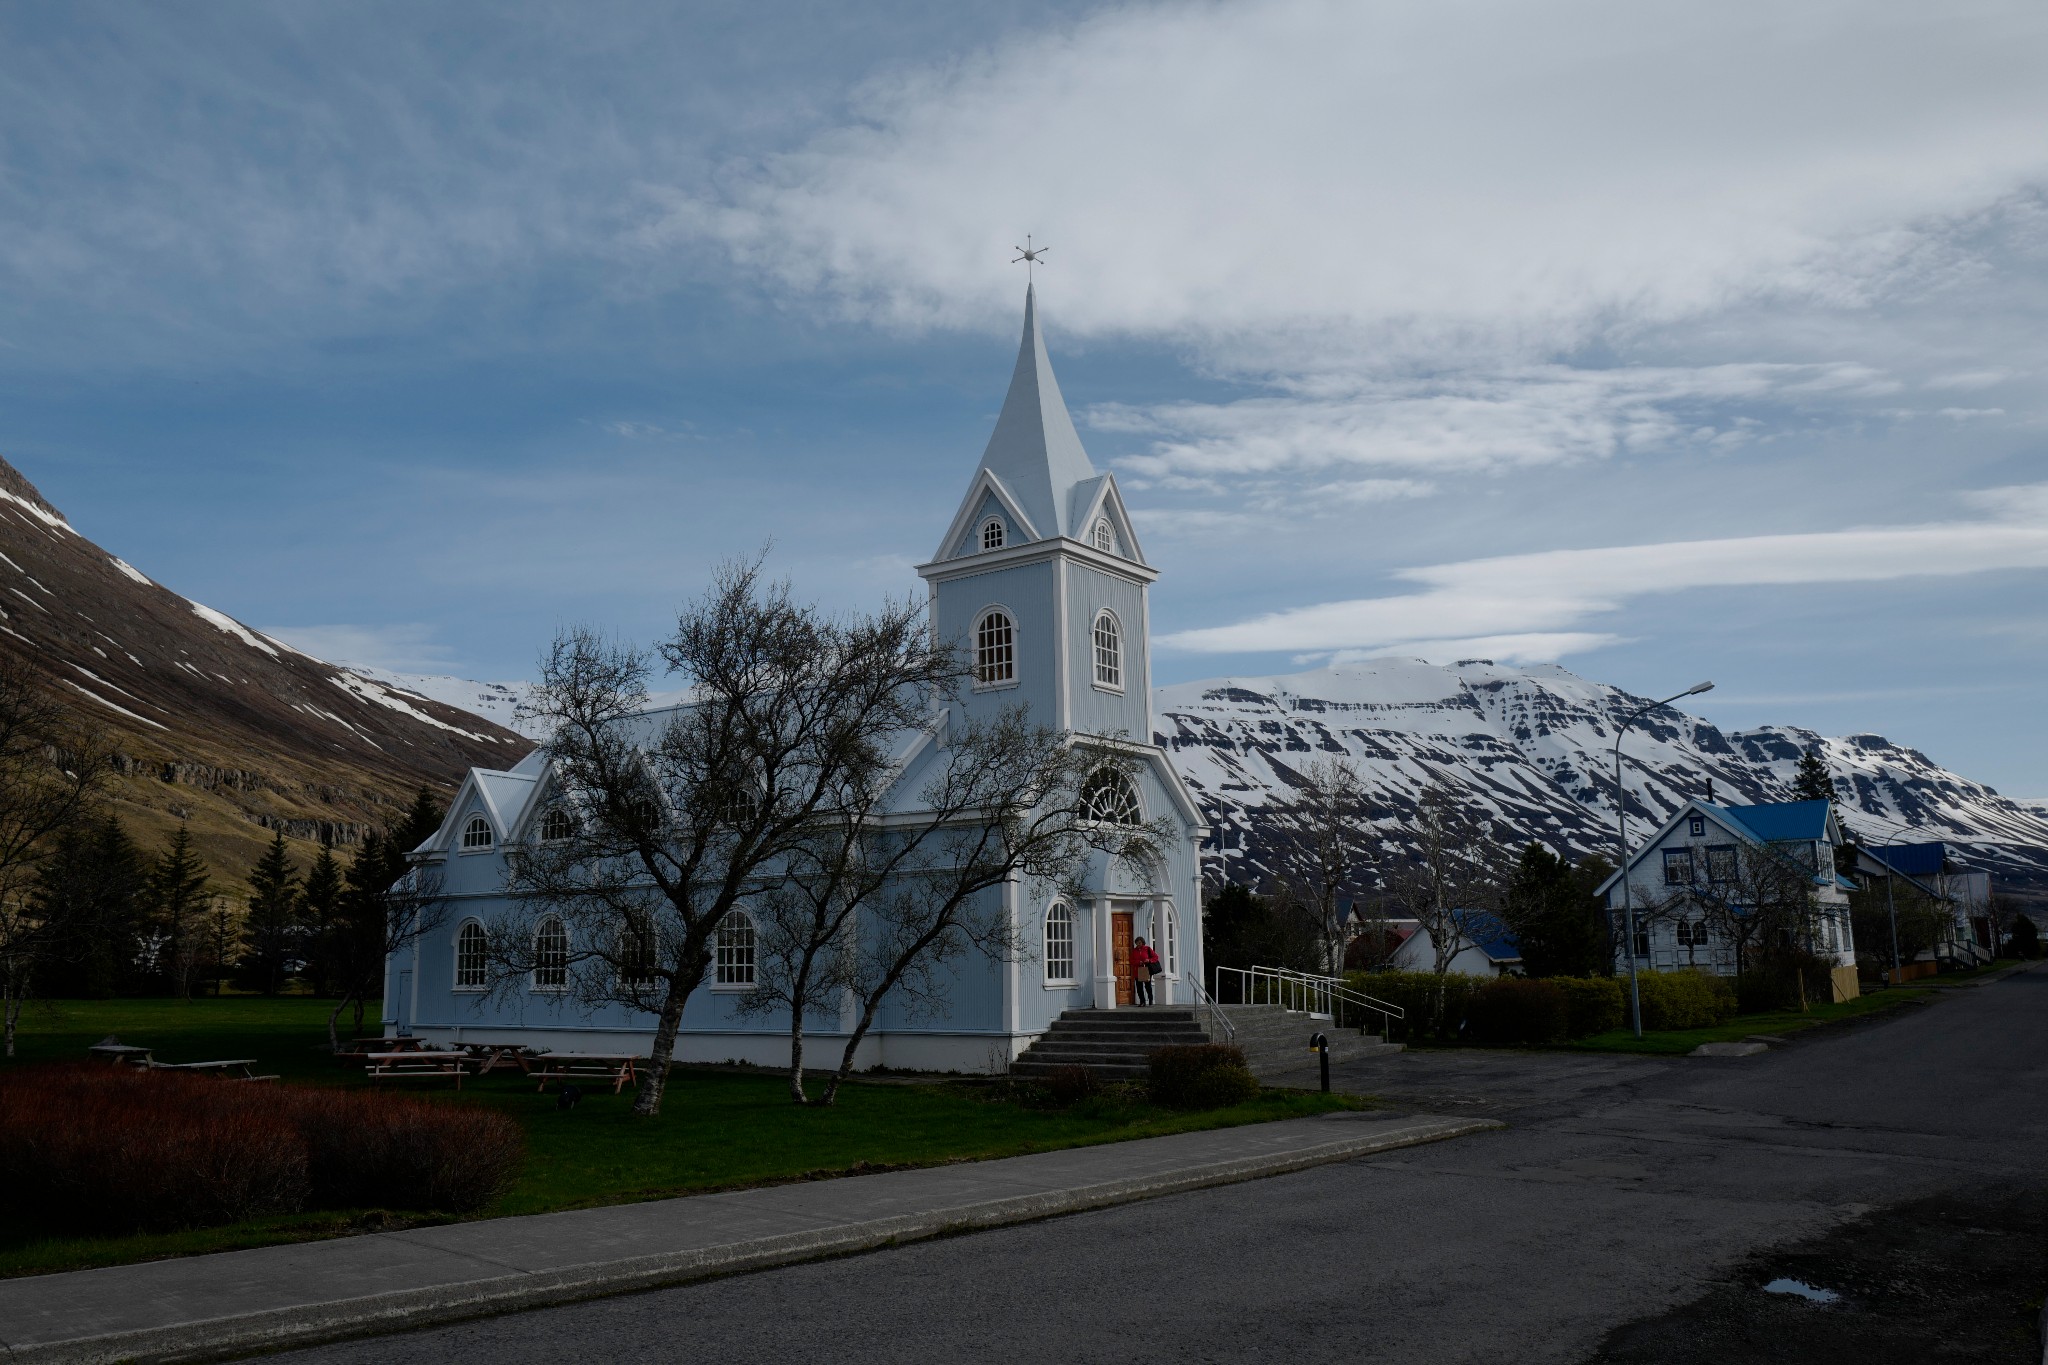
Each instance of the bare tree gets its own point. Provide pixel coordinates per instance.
(1323, 840)
(665, 823)
(1452, 883)
(1760, 901)
(51, 770)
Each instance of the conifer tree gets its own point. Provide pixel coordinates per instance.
(92, 893)
(272, 925)
(1812, 782)
(372, 920)
(320, 914)
(178, 902)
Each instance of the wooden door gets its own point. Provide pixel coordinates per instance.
(1120, 950)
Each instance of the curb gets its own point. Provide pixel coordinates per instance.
(402, 1310)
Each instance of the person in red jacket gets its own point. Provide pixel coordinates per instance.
(1144, 966)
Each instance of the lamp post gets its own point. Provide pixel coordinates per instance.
(1891, 908)
(1628, 903)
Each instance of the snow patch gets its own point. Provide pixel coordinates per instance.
(222, 621)
(102, 700)
(30, 600)
(370, 690)
(125, 567)
(47, 518)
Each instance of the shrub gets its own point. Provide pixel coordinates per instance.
(1067, 1086)
(1593, 1004)
(1415, 993)
(1684, 1000)
(1514, 1012)
(1202, 1076)
(110, 1149)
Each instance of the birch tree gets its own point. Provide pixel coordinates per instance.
(1452, 882)
(1324, 842)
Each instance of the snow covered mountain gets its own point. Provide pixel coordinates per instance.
(1533, 747)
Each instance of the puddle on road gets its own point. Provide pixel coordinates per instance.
(1803, 1290)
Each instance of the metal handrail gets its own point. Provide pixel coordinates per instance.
(1304, 993)
(1207, 1002)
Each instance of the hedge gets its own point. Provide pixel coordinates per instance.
(1512, 1012)
(1593, 1004)
(1201, 1076)
(1415, 993)
(1685, 999)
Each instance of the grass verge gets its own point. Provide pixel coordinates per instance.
(1775, 1022)
(718, 1130)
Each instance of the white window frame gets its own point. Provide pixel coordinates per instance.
(471, 827)
(540, 963)
(635, 983)
(994, 531)
(1114, 682)
(1130, 788)
(555, 813)
(1169, 941)
(726, 964)
(1060, 914)
(1105, 536)
(981, 620)
(482, 979)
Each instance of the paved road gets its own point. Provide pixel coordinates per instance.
(1623, 1188)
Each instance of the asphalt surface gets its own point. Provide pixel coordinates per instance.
(1624, 1191)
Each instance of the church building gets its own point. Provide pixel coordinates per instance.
(1041, 577)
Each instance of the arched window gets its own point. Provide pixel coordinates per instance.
(1105, 537)
(1059, 944)
(995, 650)
(551, 956)
(1109, 651)
(736, 950)
(636, 955)
(556, 825)
(1169, 938)
(477, 833)
(992, 534)
(470, 959)
(1110, 798)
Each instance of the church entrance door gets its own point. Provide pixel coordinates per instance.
(1120, 951)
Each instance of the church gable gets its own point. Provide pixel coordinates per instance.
(1100, 521)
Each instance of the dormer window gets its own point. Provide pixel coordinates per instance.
(477, 833)
(1696, 827)
(1105, 537)
(992, 534)
(556, 825)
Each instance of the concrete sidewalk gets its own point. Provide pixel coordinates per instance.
(243, 1301)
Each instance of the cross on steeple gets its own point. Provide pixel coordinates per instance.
(1028, 254)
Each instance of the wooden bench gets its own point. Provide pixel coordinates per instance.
(232, 1069)
(618, 1068)
(490, 1057)
(417, 1066)
(123, 1052)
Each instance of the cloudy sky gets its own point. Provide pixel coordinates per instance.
(1664, 340)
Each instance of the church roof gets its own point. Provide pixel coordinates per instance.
(1035, 451)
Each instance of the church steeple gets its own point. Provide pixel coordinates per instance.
(1035, 451)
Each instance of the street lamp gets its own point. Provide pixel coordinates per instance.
(1891, 909)
(1628, 904)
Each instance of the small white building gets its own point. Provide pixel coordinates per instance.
(1485, 947)
(1699, 859)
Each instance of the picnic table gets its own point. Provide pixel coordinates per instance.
(123, 1052)
(231, 1069)
(491, 1057)
(616, 1067)
(417, 1064)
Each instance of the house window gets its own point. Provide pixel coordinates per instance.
(1059, 945)
(1642, 940)
(1109, 652)
(1678, 867)
(1721, 863)
(1109, 797)
(992, 534)
(995, 650)
(1692, 933)
(1169, 953)
(470, 960)
(736, 950)
(477, 833)
(551, 956)
(1105, 538)
(555, 825)
(1696, 827)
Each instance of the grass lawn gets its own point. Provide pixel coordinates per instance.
(1775, 1022)
(719, 1128)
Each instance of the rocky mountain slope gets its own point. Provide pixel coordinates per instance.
(216, 724)
(1533, 747)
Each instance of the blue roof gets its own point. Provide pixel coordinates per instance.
(1914, 860)
(1488, 935)
(1777, 821)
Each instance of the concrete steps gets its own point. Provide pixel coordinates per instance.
(1276, 1039)
(1114, 1044)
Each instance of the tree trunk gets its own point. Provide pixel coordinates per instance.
(663, 1051)
(333, 1034)
(796, 1054)
(13, 1012)
(860, 1031)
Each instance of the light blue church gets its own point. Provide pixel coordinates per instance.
(1041, 576)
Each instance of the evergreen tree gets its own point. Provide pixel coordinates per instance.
(364, 933)
(92, 892)
(1812, 782)
(1241, 929)
(320, 914)
(272, 926)
(178, 905)
(1555, 916)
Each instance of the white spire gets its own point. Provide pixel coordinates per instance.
(1035, 450)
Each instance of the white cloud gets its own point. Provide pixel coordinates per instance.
(406, 647)
(1548, 593)
(1532, 647)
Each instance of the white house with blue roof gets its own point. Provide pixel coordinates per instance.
(1698, 855)
(1042, 578)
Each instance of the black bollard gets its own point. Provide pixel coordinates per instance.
(1320, 1044)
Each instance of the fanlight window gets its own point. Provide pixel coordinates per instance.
(1109, 651)
(736, 950)
(556, 825)
(1105, 538)
(551, 956)
(995, 650)
(470, 959)
(1110, 799)
(477, 833)
(992, 534)
(1059, 944)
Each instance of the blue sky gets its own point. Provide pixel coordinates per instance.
(1662, 340)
